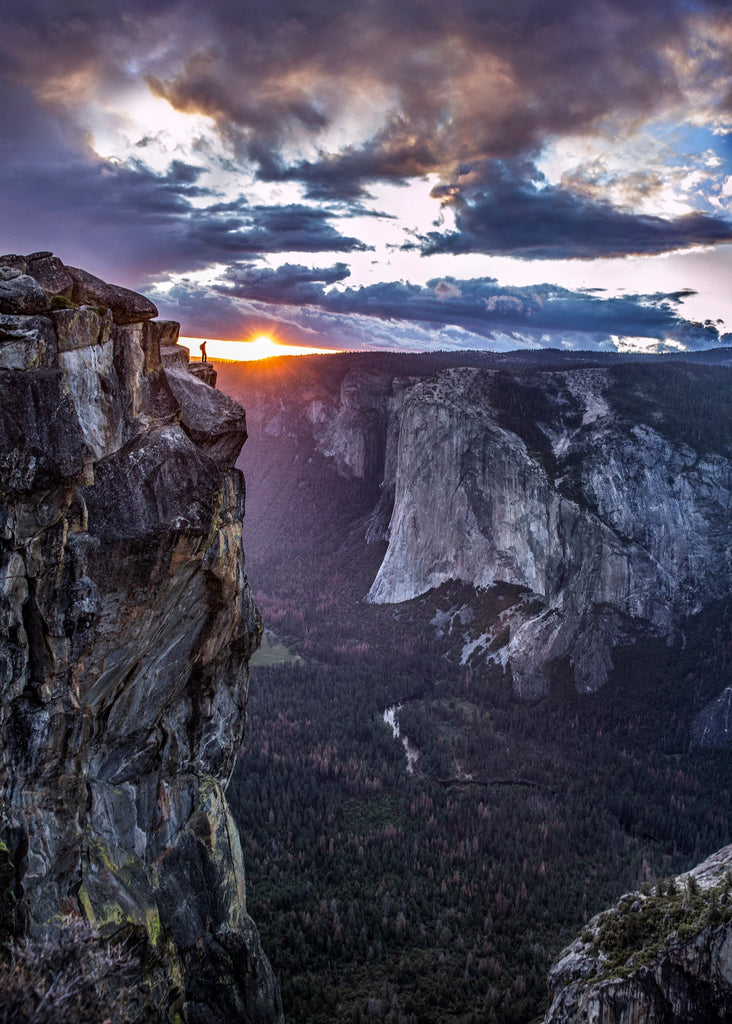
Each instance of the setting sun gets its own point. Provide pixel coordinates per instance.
(260, 347)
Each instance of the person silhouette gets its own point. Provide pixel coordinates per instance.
(202, 347)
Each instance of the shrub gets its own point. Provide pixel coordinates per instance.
(67, 975)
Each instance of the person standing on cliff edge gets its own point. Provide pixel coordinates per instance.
(202, 347)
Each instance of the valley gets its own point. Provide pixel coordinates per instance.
(444, 895)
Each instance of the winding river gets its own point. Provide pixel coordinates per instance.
(413, 753)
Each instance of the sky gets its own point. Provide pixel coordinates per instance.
(401, 174)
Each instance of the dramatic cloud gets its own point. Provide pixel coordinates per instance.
(338, 98)
(540, 316)
(289, 285)
(413, 86)
(287, 228)
(154, 140)
(129, 222)
(512, 210)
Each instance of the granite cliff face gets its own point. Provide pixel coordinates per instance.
(346, 416)
(712, 727)
(126, 623)
(606, 526)
(663, 957)
(583, 489)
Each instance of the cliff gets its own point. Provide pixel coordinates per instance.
(126, 626)
(663, 957)
(593, 500)
(612, 528)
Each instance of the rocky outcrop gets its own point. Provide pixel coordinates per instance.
(127, 307)
(126, 623)
(20, 293)
(213, 421)
(30, 284)
(663, 957)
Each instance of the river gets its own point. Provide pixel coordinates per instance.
(413, 753)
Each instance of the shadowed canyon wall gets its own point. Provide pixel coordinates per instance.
(126, 624)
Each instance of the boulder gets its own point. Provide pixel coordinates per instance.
(20, 293)
(127, 307)
(215, 423)
(174, 357)
(16, 262)
(26, 342)
(205, 372)
(166, 332)
(51, 274)
(81, 328)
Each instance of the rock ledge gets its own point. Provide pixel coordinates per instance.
(661, 957)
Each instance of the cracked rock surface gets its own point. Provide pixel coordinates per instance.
(126, 624)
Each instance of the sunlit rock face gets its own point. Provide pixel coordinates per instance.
(675, 969)
(604, 526)
(126, 624)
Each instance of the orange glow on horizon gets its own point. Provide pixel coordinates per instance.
(260, 347)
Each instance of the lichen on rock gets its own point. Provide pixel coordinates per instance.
(126, 624)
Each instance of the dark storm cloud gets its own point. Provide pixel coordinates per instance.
(394, 155)
(545, 313)
(340, 98)
(454, 81)
(482, 77)
(509, 209)
(123, 219)
(292, 228)
(460, 82)
(288, 285)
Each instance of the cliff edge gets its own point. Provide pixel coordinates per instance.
(126, 624)
(661, 957)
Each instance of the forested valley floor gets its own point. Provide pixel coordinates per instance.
(444, 895)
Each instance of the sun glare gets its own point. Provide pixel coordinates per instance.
(260, 347)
